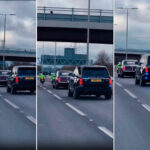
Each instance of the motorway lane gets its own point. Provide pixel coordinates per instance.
(17, 120)
(65, 121)
(132, 115)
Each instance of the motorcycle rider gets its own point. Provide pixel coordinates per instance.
(42, 77)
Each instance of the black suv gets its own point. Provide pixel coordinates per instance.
(90, 80)
(142, 75)
(22, 78)
(127, 68)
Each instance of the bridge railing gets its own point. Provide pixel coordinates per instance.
(74, 14)
(17, 51)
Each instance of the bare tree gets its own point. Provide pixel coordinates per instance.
(104, 59)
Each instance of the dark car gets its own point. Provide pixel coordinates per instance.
(3, 76)
(127, 68)
(22, 78)
(143, 71)
(90, 80)
(61, 79)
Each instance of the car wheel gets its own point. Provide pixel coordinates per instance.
(76, 95)
(107, 96)
(142, 83)
(32, 91)
(8, 90)
(70, 94)
(136, 81)
(12, 90)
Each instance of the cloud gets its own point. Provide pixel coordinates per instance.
(139, 23)
(22, 26)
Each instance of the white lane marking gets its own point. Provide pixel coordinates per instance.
(0, 95)
(119, 84)
(138, 100)
(130, 93)
(44, 88)
(32, 119)
(57, 97)
(10, 103)
(147, 107)
(106, 131)
(49, 91)
(75, 109)
(91, 120)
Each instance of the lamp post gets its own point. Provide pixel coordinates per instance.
(4, 41)
(88, 32)
(127, 24)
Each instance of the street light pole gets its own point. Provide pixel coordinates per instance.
(4, 41)
(127, 24)
(88, 32)
(55, 57)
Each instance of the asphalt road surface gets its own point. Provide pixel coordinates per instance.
(132, 115)
(64, 122)
(17, 120)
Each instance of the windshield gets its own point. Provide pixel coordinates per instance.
(27, 72)
(95, 73)
(63, 74)
(4, 73)
(130, 62)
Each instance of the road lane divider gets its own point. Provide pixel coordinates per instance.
(130, 93)
(118, 84)
(75, 109)
(32, 119)
(49, 91)
(10, 103)
(106, 131)
(57, 97)
(147, 107)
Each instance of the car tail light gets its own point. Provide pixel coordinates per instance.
(17, 79)
(146, 69)
(81, 81)
(124, 68)
(58, 79)
(110, 82)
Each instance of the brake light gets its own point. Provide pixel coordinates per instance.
(124, 68)
(17, 79)
(146, 69)
(58, 79)
(110, 81)
(81, 81)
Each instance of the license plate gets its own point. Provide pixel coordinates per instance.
(96, 80)
(29, 78)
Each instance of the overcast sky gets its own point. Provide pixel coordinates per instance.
(139, 24)
(21, 28)
(48, 48)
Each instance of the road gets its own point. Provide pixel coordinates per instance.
(132, 115)
(64, 122)
(17, 120)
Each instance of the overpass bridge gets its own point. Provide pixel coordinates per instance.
(18, 55)
(70, 25)
(120, 54)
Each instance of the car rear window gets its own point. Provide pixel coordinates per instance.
(63, 73)
(148, 61)
(130, 62)
(4, 73)
(27, 71)
(95, 73)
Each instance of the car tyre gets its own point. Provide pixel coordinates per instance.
(8, 89)
(76, 95)
(107, 96)
(12, 90)
(136, 81)
(70, 94)
(142, 83)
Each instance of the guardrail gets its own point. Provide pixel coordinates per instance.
(17, 51)
(74, 14)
